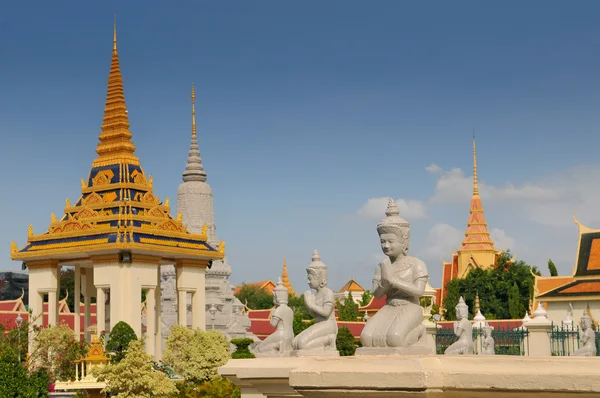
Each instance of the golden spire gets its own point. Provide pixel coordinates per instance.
(115, 144)
(475, 182)
(193, 111)
(285, 278)
(477, 236)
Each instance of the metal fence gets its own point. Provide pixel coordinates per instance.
(565, 340)
(506, 341)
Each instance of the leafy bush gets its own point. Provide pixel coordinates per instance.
(134, 376)
(55, 349)
(196, 355)
(345, 342)
(242, 350)
(16, 383)
(118, 340)
(219, 387)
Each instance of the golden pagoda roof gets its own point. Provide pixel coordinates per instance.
(117, 209)
(285, 279)
(477, 236)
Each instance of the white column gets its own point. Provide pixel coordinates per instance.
(198, 310)
(158, 335)
(181, 307)
(77, 303)
(52, 307)
(87, 300)
(150, 322)
(100, 310)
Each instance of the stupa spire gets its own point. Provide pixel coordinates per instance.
(115, 144)
(477, 236)
(194, 170)
(285, 278)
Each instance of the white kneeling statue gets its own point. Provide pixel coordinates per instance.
(463, 330)
(587, 337)
(279, 343)
(318, 339)
(397, 328)
(488, 344)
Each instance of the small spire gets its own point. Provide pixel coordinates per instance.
(285, 278)
(115, 35)
(475, 182)
(115, 144)
(193, 111)
(194, 170)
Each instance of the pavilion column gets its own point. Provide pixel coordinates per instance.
(158, 306)
(150, 322)
(52, 308)
(77, 303)
(87, 302)
(100, 310)
(190, 278)
(181, 307)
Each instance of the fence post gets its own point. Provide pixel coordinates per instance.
(430, 331)
(539, 329)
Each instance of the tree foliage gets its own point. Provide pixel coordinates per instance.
(494, 287)
(301, 324)
(552, 268)
(366, 298)
(255, 297)
(195, 354)
(219, 387)
(345, 342)
(349, 310)
(55, 349)
(119, 339)
(297, 304)
(134, 376)
(14, 380)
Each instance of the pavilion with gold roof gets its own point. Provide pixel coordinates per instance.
(477, 248)
(117, 235)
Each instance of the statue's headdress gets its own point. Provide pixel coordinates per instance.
(318, 266)
(280, 290)
(586, 318)
(393, 223)
(462, 305)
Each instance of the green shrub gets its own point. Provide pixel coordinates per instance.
(118, 340)
(242, 351)
(16, 383)
(345, 342)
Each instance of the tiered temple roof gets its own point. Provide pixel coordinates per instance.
(117, 209)
(584, 284)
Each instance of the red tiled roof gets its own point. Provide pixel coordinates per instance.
(374, 305)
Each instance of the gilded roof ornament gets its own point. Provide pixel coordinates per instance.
(179, 216)
(221, 247)
(167, 201)
(83, 184)
(115, 144)
(53, 217)
(30, 230)
(13, 247)
(204, 230)
(194, 170)
(67, 203)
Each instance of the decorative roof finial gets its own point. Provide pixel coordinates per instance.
(475, 182)
(193, 111)
(285, 278)
(115, 35)
(115, 144)
(194, 170)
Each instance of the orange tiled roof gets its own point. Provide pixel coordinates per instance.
(576, 288)
(352, 286)
(268, 285)
(548, 283)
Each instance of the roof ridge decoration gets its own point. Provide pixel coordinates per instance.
(117, 209)
(194, 170)
(477, 236)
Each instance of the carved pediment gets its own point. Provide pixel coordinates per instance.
(103, 177)
(86, 212)
(149, 198)
(156, 212)
(169, 225)
(92, 199)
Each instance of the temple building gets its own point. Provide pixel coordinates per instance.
(353, 288)
(477, 248)
(224, 312)
(578, 292)
(268, 285)
(117, 235)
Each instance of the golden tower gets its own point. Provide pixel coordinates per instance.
(285, 279)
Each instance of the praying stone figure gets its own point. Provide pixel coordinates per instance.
(587, 338)
(488, 341)
(463, 330)
(279, 343)
(396, 328)
(318, 339)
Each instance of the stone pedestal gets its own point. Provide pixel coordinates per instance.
(430, 331)
(539, 337)
(417, 349)
(315, 353)
(417, 376)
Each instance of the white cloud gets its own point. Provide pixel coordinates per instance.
(374, 208)
(501, 240)
(433, 168)
(440, 241)
(551, 201)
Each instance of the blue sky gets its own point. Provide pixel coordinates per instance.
(306, 110)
